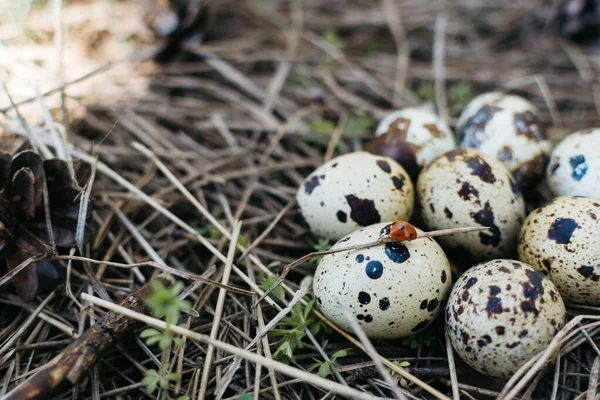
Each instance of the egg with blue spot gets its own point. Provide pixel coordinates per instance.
(384, 285)
(574, 168)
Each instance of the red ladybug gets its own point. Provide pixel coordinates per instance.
(400, 230)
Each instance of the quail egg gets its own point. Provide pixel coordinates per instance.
(562, 239)
(393, 290)
(354, 190)
(500, 314)
(413, 137)
(464, 188)
(506, 127)
(574, 168)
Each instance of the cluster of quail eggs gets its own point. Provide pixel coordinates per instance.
(509, 305)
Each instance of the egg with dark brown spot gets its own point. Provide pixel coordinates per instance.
(354, 190)
(562, 239)
(506, 317)
(413, 137)
(506, 127)
(466, 188)
(401, 285)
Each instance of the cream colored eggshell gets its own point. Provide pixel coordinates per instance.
(391, 299)
(354, 190)
(429, 135)
(500, 314)
(562, 239)
(506, 127)
(574, 168)
(466, 188)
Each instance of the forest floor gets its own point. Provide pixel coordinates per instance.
(192, 124)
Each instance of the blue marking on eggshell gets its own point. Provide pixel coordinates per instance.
(374, 269)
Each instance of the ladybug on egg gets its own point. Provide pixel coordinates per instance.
(399, 230)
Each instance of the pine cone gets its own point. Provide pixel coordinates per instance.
(23, 229)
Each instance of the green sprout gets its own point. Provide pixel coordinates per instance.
(292, 330)
(322, 245)
(325, 366)
(164, 303)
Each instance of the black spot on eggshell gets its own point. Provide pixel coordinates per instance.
(360, 317)
(341, 216)
(364, 298)
(470, 283)
(494, 290)
(384, 165)
(532, 290)
(513, 345)
(562, 229)
(467, 191)
(523, 333)
(554, 165)
(473, 132)
(420, 325)
(588, 273)
(485, 217)
(579, 167)
(547, 263)
(465, 337)
(311, 184)
(500, 330)
(397, 252)
(494, 306)
(368, 318)
(398, 181)
(423, 305)
(444, 277)
(447, 212)
(363, 211)
(480, 168)
(374, 269)
(484, 341)
(384, 304)
(432, 305)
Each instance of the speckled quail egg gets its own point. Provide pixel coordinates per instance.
(500, 314)
(393, 290)
(506, 127)
(466, 188)
(354, 190)
(562, 239)
(413, 137)
(574, 168)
